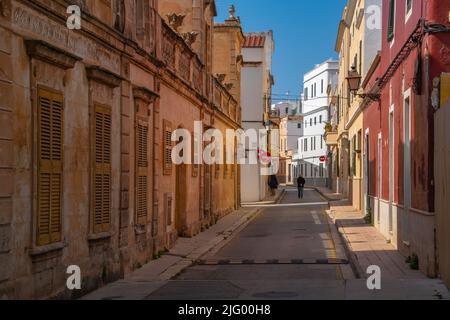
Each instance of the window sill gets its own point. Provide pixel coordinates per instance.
(99, 236)
(39, 251)
(140, 230)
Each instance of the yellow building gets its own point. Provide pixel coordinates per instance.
(357, 44)
(337, 137)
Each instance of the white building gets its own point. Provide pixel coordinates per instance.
(256, 90)
(291, 128)
(315, 111)
(286, 108)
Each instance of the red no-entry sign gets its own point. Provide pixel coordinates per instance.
(323, 159)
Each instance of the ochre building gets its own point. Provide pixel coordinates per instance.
(86, 119)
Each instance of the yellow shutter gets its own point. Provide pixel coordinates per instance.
(50, 157)
(167, 156)
(102, 179)
(142, 173)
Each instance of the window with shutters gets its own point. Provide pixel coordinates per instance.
(167, 148)
(102, 169)
(408, 10)
(50, 167)
(142, 172)
(391, 26)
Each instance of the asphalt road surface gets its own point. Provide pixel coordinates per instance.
(287, 252)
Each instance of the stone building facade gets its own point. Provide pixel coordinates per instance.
(86, 121)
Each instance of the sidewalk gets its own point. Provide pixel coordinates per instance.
(329, 194)
(142, 282)
(269, 199)
(368, 247)
(365, 244)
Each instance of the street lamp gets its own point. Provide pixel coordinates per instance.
(354, 83)
(354, 80)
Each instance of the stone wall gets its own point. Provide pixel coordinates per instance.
(121, 78)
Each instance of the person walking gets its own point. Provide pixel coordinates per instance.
(273, 184)
(301, 186)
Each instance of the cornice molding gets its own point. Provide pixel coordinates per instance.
(46, 52)
(144, 94)
(103, 76)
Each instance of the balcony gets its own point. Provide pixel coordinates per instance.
(331, 138)
(331, 134)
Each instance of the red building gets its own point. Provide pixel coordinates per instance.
(399, 128)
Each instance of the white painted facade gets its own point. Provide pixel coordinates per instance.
(311, 145)
(287, 108)
(256, 88)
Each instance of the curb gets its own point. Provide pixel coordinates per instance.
(216, 243)
(321, 193)
(324, 195)
(227, 236)
(280, 196)
(267, 200)
(352, 257)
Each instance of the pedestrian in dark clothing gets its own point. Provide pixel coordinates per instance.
(301, 186)
(273, 184)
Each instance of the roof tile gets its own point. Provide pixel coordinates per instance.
(254, 41)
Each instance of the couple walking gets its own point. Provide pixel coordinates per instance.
(301, 186)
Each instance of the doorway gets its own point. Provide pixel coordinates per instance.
(367, 207)
(407, 165)
(391, 169)
(380, 176)
(180, 198)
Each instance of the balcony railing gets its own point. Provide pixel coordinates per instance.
(331, 137)
(224, 101)
(181, 59)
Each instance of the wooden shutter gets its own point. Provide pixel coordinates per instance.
(102, 174)
(50, 157)
(167, 148)
(142, 172)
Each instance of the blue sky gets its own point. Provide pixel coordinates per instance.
(304, 31)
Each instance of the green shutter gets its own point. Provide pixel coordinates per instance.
(50, 157)
(391, 26)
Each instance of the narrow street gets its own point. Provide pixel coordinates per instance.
(287, 252)
(151, 150)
